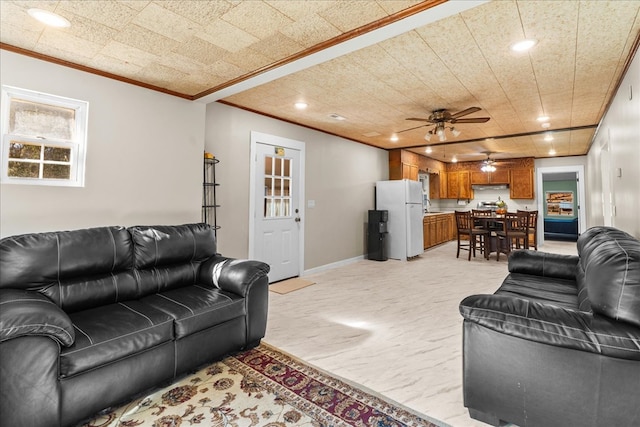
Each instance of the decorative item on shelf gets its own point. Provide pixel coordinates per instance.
(501, 207)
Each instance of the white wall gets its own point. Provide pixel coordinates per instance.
(340, 177)
(144, 155)
(620, 128)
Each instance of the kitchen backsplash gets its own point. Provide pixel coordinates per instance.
(484, 196)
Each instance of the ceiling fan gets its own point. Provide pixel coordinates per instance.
(489, 164)
(440, 118)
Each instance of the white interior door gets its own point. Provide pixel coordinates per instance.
(277, 214)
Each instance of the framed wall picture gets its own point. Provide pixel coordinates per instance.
(559, 203)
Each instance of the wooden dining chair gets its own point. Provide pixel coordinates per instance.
(514, 233)
(475, 238)
(532, 226)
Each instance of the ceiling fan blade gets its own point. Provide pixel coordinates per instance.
(473, 120)
(469, 110)
(417, 127)
(419, 119)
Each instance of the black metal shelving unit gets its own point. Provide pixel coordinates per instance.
(209, 185)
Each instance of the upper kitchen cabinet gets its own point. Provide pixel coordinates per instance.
(521, 184)
(403, 165)
(500, 176)
(459, 185)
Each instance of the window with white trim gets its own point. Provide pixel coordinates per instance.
(44, 138)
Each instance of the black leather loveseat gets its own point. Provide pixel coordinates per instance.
(89, 318)
(559, 343)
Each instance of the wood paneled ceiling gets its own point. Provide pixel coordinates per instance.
(219, 50)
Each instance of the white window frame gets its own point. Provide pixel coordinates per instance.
(77, 145)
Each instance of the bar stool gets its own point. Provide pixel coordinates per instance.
(532, 226)
(477, 237)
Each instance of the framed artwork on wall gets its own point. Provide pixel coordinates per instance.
(559, 203)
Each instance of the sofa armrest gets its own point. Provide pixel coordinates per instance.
(232, 275)
(543, 264)
(553, 325)
(24, 313)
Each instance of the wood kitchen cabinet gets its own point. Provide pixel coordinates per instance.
(500, 176)
(459, 185)
(437, 229)
(438, 186)
(403, 165)
(521, 184)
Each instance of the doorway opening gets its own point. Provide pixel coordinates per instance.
(560, 201)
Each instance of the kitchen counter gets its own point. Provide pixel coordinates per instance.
(438, 213)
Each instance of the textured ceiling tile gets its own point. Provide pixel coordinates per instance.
(224, 70)
(394, 6)
(248, 59)
(89, 29)
(227, 36)
(134, 4)
(256, 18)
(166, 22)
(348, 15)
(201, 11)
(181, 63)
(65, 41)
(114, 66)
(109, 13)
(297, 9)
(128, 54)
(276, 47)
(159, 75)
(201, 51)
(145, 40)
(310, 30)
(18, 36)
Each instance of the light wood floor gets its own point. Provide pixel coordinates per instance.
(391, 326)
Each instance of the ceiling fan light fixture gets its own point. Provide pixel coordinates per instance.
(442, 137)
(488, 168)
(455, 132)
(427, 137)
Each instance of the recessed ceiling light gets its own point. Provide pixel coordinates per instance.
(301, 105)
(49, 18)
(523, 45)
(454, 159)
(394, 138)
(552, 152)
(428, 150)
(548, 138)
(546, 125)
(543, 118)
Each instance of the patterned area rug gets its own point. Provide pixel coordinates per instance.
(261, 387)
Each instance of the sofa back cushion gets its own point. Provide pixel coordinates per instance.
(167, 257)
(76, 269)
(610, 259)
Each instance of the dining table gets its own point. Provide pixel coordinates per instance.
(494, 222)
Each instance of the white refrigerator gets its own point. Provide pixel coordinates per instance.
(403, 200)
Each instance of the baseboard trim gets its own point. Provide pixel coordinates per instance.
(333, 265)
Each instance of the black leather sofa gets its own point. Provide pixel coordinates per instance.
(558, 344)
(90, 318)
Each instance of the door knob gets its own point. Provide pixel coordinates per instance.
(297, 219)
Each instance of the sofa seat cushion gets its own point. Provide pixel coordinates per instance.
(196, 308)
(548, 290)
(113, 332)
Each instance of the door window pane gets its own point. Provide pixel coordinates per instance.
(277, 171)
